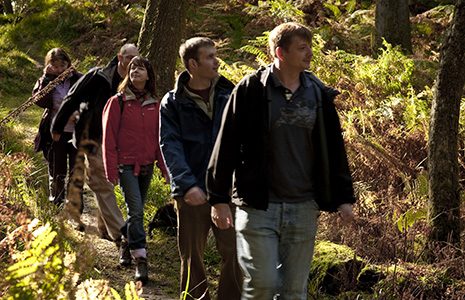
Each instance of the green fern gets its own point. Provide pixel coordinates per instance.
(40, 271)
(334, 9)
(260, 57)
(234, 72)
(280, 10)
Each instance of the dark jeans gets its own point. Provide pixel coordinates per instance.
(194, 224)
(60, 156)
(135, 192)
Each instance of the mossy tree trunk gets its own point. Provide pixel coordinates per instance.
(392, 22)
(160, 37)
(444, 197)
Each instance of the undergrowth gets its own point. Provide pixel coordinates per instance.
(383, 106)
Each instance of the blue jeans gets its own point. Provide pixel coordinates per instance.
(135, 191)
(275, 249)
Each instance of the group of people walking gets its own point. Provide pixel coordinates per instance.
(254, 163)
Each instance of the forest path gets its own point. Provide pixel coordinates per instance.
(107, 258)
(162, 248)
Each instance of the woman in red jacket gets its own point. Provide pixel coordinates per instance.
(130, 148)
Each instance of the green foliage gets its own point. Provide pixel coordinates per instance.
(326, 256)
(46, 270)
(41, 271)
(17, 72)
(42, 29)
(279, 10)
(234, 72)
(22, 183)
(334, 9)
(409, 218)
(222, 21)
(258, 48)
(337, 7)
(391, 72)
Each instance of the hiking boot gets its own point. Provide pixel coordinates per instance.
(124, 253)
(141, 270)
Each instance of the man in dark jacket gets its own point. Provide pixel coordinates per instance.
(280, 146)
(190, 117)
(89, 95)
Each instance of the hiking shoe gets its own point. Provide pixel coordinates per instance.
(124, 253)
(141, 270)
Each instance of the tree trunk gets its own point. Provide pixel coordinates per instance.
(160, 37)
(444, 197)
(7, 7)
(392, 23)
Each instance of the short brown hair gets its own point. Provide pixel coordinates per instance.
(281, 35)
(190, 48)
(140, 62)
(55, 55)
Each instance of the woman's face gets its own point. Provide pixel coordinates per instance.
(138, 75)
(56, 67)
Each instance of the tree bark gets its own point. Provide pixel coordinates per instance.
(160, 37)
(444, 197)
(7, 7)
(392, 22)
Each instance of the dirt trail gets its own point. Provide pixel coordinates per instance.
(107, 258)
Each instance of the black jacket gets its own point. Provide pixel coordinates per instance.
(187, 134)
(89, 95)
(240, 155)
(43, 137)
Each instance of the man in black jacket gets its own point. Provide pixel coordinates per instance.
(190, 118)
(89, 95)
(280, 150)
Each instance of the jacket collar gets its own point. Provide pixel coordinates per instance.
(130, 96)
(265, 72)
(183, 79)
(109, 70)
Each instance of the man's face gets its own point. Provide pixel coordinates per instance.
(206, 65)
(298, 54)
(125, 58)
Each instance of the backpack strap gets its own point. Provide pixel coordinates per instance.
(120, 101)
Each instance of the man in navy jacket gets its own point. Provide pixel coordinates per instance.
(190, 117)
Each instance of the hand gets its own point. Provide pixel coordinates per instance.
(346, 212)
(56, 136)
(74, 117)
(195, 196)
(221, 216)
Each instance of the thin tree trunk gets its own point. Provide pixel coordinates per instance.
(444, 197)
(392, 22)
(160, 37)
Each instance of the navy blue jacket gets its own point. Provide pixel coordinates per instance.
(242, 149)
(187, 134)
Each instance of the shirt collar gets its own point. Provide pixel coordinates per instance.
(273, 78)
